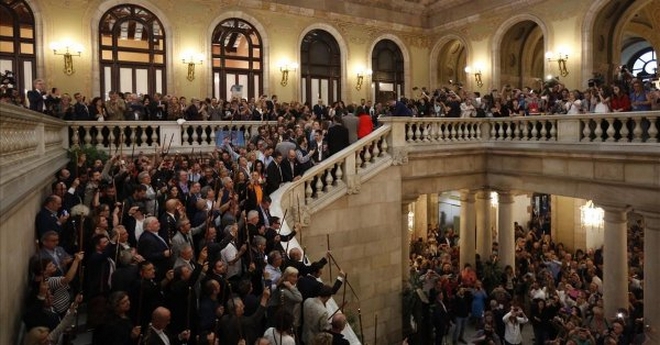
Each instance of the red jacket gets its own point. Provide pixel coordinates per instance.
(365, 126)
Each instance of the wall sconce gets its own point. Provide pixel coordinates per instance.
(285, 67)
(68, 57)
(477, 76)
(192, 60)
(561, 62)
(360, 78)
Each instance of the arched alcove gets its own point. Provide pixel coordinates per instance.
(522, 54)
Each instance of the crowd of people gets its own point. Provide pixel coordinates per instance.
(556, 291)
(183, 247)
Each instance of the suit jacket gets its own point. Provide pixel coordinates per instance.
(274, 177)
(309, 286)
(36, 99)
(167, 226)
(288, 172)
(321, 151)
(46, 221)
(151, 247)
(81, 112)
(337, 138)
(351, 123)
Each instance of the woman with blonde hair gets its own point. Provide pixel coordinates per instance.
(42, 335)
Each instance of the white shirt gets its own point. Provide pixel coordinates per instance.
(161, 335)
(512, 330)
(228, 254)
(139, 229)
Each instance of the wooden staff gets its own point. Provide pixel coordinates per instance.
(338, 310)
(117, 248)
(169, 145)
(327, 242)
(299, 219)
(361, 329)
(375, 328)
(121, 146)
(75, 166)
(343, 295)
(332, 258)
(133, 149)
(121, 214)
(81, 234)
(81, 273)
(189, 309)
(139, 311)
(282, 221)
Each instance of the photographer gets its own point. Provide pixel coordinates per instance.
(512, 321)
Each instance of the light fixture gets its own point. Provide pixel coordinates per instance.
(68, 57)
(285, 68)
(360, 77)
(561, 61)
(191, 60)
(477, 76)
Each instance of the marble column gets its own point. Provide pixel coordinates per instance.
(467, 235)
(484, 232)
(651, 271)
(615, 259)
(506, 232)
(405, 243)
(421, 217)
(432, 209)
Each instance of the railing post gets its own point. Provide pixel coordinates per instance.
(397, 138)
(485, 130)
(568, 129)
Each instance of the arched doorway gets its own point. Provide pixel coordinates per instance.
(641, 43)
(320, 67)
(452, 59)
(388, 71)
(522, 55)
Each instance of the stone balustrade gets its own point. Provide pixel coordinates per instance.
(639, 127)
(141, 135)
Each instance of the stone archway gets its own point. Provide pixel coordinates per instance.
(448, 61)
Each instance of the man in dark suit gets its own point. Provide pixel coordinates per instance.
(274, 176)
(290, 167)
(310, 285)
(36, 95)
(158, 108)
(319, 146)
(80, 109)
(337, 136)
(48, 219)
(158, 333)
(441, 319)
(338, 324)
(154, 248)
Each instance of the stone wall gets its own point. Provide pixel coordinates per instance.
(366, 240)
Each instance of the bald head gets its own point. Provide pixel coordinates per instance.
(160, 318)
(338, 322)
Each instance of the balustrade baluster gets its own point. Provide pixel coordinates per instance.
(75, 136)
(383, 145)
(500, 131)
(154, 138)
(624, 130)
(610, 129)
(185, 135)
(111, 139)
(445, 132)
(509, 132)
(553, 130)
(319, 182)
(598, 131)
(418, 132)
(518, 131)
(409, 133)
(493, 131)
(453, 131)
(212, 136)
(535, 131)
(586, 131)
(367, 156)
(478, 131)
(653, 129)
(308, 191)
(358, 160)
(195, 136)
(544, 131)
(472, 132)
(374, 144)
(99, 138)
(637, 130)
(143, 136)
(338, 174)
(88, 136)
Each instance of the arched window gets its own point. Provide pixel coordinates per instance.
(387, 66)
(320, 68)
(132, 51)
(644, 64)
(237, 60)
(17, 43)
